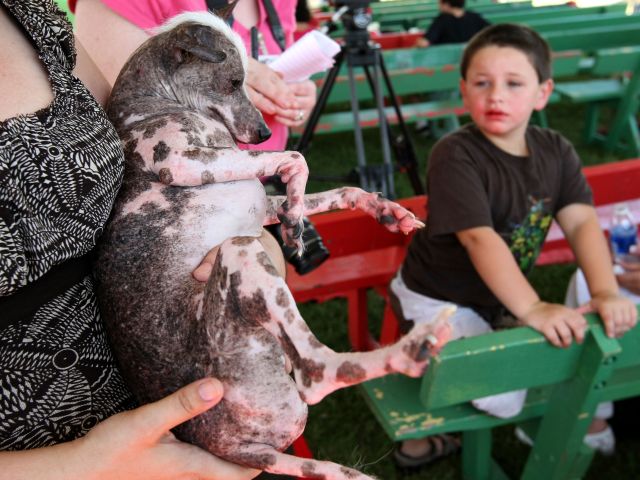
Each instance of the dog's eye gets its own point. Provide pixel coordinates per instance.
(236, 84)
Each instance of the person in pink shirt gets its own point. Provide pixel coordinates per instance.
(112, 29)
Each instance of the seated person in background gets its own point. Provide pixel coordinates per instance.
(494, 186)
(453, 25)
(578, 296)
(65, 411)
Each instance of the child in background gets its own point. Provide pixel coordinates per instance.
(494, 187)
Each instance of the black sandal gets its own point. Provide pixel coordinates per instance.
(442, 445)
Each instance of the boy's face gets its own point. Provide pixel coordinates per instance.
(502, 90)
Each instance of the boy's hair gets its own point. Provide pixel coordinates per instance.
(454, 3)
(515, 36)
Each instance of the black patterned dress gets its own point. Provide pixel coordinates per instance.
(60, 169)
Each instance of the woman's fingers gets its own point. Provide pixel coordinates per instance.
(161, 416)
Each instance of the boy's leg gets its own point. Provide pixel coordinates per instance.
(465, 322)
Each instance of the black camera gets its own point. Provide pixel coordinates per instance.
(356, 14)
(314, 252)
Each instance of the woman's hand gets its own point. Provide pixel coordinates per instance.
(138, 444)
(290, 103)
(305, 100)
(266, 89)
(132, 445)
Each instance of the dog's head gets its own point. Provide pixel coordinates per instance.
(197, 61)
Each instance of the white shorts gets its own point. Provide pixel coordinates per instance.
(465, 322)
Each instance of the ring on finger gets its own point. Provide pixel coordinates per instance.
(299, 116)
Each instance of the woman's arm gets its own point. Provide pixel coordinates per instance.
(87, 71)
(108, 38)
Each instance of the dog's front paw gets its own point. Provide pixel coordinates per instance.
(292, 236)
(395, 217)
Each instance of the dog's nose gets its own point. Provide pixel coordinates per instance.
(264, 133)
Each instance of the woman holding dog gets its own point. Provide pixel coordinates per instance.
(64, 409)
(112, 29)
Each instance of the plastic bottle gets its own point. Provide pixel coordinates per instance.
(623, 232)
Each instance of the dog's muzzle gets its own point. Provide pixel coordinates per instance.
(264, 133)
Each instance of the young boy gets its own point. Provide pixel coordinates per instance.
(494, 187)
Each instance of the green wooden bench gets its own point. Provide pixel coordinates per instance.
(406, 18)
(620, 87)
(537, 14)
(565, 386)
(416, 79)
(591, 39)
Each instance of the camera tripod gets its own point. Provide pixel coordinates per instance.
(359, 51)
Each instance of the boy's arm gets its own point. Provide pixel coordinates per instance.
(581, 227)
(498, 269)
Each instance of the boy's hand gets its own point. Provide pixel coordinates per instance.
(618, 313)
(557, 323)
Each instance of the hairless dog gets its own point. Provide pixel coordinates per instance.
(179, 106)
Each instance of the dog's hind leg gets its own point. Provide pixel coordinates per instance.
(262, 296)
(265, 457)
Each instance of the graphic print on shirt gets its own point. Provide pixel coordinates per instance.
(527, 237)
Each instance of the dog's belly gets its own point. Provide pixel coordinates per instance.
(193, 220)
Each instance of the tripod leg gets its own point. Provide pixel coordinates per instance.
(405, 153)
(303, 144)
(357, 132)
(376, 88)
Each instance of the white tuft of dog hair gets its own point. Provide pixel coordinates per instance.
(211, 20)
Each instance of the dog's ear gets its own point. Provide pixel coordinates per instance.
(226, 11)
(199, 41)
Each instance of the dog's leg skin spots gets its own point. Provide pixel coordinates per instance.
(393, 216)
(253, 455)
(318, 370)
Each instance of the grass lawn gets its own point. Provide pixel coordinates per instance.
(341, 428)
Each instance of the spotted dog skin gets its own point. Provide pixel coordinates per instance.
(179, 106)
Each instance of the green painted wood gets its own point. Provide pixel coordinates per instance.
(409, 4)
(611, 20)
(381, 12)
(478, 359)
(591, 39)
(591, 90)
(344, 121)
(560, 437)
(556, 414)
(395, 402)
(539, 14)
(622, 133)
(476, 455)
